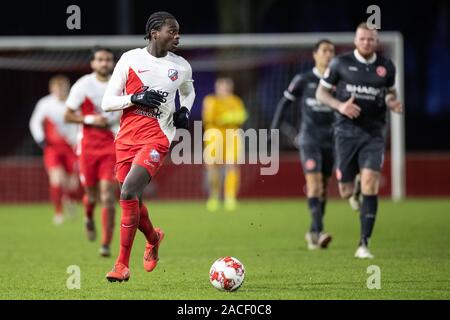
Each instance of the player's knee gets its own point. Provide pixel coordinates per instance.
(345, 191)
(370, 183)
(314, 190)
(107, 199)
(128, 193)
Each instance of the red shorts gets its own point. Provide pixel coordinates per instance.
(149, 156)
(94, 168)
(60, 156)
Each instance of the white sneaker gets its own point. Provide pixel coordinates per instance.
(363, 253)
(312, 241)
(58, 219)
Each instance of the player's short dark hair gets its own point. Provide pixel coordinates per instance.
(156, 21)
(96, 49)
(320, 42)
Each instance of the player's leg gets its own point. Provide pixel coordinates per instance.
(107, 192)
(108, 201)
(214, 186)
(233, 149)
(89, 202)
(231, 186)
(71, 182)
(311, 157)
(56, 177)
(346, 148)
(371, 160)
(89, 179)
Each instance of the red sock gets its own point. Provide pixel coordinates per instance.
(145, 225)
(88, 207)
(56, 197)
(108, 225)
(128, 226)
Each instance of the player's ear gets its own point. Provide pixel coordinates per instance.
(154, 34)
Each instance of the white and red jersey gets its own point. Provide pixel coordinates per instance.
(47, 123)
(137, 71)
(86, 96)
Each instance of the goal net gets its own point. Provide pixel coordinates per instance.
(261, 65)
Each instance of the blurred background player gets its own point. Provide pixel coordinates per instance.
(221, 111)
(364, 83)
(57, 139)
(96, 146)
(144, 85)
(316, 138)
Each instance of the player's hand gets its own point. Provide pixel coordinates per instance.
(350, 109)
(148, 98)
(96, 120)
(394, 105)
(181, 118)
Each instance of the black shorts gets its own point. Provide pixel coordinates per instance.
(317, 159)
(358, 149)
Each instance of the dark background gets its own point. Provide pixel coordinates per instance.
(424, 25)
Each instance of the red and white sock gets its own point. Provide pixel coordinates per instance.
(128, 225)
(88, 207)
(146, 227)
(108, 225)
(56, 197)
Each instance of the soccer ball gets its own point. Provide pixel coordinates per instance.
(227, 274)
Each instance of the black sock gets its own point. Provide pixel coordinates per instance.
(368, 213)
(323, 204)
(315, 207)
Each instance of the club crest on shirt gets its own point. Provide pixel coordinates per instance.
(154, 155)
(173, 74)
(381, 71)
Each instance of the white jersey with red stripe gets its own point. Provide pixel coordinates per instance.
(47, 123)
(138, 71)
(86, 96)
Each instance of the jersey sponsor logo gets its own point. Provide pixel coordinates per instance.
(154, 155)
(142, 71)
(352, 88)
(148, 112)
(148, 163)
(312, 85)
(173, 74)
(381, 71)
(353, 68)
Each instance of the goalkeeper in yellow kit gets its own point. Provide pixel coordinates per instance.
(221, 111)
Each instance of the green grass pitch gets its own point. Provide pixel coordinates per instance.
(411, 246)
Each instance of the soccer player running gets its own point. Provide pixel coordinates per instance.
(316, 139)
(223, 111)
(364, 83)
(144, 85)
(96, 147)
(57, 138)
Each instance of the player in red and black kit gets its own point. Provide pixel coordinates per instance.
(365, 89)
(144, 85)
(96, 144)
(316, 139)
